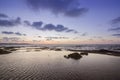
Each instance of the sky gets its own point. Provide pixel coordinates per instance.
(60, 21)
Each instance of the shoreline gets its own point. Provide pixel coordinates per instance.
(45, 63)
(7, 50)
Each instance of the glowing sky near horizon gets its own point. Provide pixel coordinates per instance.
(60, 21)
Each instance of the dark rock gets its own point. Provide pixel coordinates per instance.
(11, 48)
(57, 49)
(101, 51)
(117, 49)
(44, 48)
(84, 53)
(8, 48)
(75, 56)
(66, 56)
(2, 51)
(37, 49)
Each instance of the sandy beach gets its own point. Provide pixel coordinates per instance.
(33, 63)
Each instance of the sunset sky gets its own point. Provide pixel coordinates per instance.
(60, 21)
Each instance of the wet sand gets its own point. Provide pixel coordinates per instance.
(37, 64)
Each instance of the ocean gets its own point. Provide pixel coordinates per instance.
(69, 46)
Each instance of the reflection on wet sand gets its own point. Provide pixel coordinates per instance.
(49, 64)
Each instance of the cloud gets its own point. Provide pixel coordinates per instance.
(48, 27)
(115, 23)
(76, 12)
(36, 41)
(13, 33)
(3, 15)
(19, 34)
(10, 39)
(10, 23)
(51, 27)
(115, 29)
(6, 23)
(51, 38)
(90, 39)
(72, 30)
(58, 28)
(6, 32)
(116, 20)
(117, 35)
(98, 37)
(39, 36)
(84, 34)
(69, 8)
(37, 25)
(27, 23)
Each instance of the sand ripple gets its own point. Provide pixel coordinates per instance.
(51, 65)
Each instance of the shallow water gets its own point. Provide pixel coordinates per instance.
(51, 65)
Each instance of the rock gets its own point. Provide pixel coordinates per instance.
(75, 56)
(2, 51)
(57, 49)
(44, 48)
(11, 48)
(66, 56)
(103, 51)
(84, 53)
